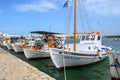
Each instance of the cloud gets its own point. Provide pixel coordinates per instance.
(103, 7)
(39, 6)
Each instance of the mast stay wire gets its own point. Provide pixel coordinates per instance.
(101, 27)
(68, 20)
(86, 15)
(88, 28)
(81, 16)
(98, 22)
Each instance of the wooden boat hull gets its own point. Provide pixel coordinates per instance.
(4, 44)
(9, 46)
(17, 47)
(69, 59)
(29, 54)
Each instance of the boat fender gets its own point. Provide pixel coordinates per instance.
(99, 54)
(107, 51)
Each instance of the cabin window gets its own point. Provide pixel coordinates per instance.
(98, 38)
(92, 37)
(82, 38)
(31, 39)
(87, 37)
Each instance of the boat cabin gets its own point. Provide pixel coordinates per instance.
(90, 42)
(92, 38)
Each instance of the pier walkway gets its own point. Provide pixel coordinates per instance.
(12, 68)
(114, 61)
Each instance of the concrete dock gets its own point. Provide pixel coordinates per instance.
(114, 61)
(13, 68)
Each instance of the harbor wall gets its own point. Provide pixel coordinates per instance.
(13, 68)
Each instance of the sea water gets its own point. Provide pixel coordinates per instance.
(97, 71)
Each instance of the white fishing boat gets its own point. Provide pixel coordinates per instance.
(17, 47)
(33, 53)
(89, 50)
(10, 41)
(4, 43)
(1, 42)
(39, 47)
(9, 46)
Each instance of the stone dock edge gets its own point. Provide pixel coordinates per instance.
(13, 68)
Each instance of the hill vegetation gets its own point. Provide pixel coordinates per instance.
(112, 36)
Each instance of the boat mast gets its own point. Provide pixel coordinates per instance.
(74, 25)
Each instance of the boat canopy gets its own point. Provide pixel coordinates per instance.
(43, 32)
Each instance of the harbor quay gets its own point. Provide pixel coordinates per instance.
(13, 68)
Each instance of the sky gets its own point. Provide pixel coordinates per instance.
(23, 16)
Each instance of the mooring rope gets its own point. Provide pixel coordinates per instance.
(64, 65)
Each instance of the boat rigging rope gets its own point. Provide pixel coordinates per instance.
(68, 31)
(68, 18)
(81, 16)
(64, 65)
(100, 25)
(86, 15)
